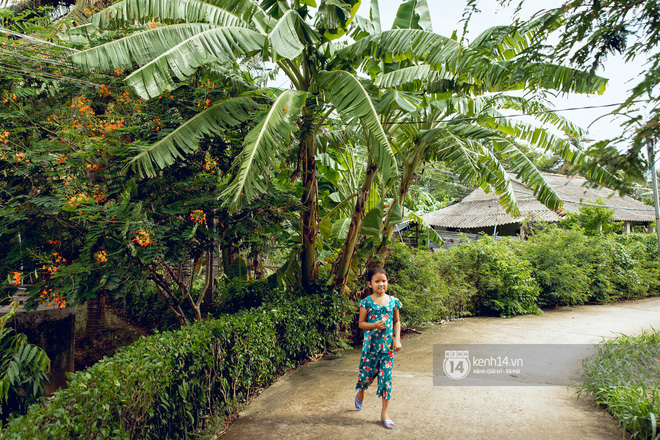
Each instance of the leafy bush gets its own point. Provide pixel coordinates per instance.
(429, 292)
(165, 385)
(624, 375)
(559, 265)
(572, 268)
(502, 278)
(23, 370)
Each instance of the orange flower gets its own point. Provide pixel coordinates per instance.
(142, 238)
(17, 279)
(197, 216)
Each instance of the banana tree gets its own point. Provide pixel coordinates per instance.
(183, 37)
(438, 105)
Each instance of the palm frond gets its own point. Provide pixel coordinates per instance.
(219, 44)
(353, 102)
(185, 139)
(260, 147)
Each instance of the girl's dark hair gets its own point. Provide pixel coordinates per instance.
(373, 271)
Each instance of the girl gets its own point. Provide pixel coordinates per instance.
(379, 317)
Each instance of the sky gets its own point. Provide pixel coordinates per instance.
(446, 16)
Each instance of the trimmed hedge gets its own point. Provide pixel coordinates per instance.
(164, 386)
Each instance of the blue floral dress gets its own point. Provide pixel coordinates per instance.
(377, 349)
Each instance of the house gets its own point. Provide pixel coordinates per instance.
(479, 212)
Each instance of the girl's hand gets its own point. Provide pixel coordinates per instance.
(380, 325)
(397, 345)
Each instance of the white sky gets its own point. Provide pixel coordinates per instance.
(446, 14)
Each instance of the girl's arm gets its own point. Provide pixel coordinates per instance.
(364, 325)
(397, 331)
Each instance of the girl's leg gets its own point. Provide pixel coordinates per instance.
(383, 411)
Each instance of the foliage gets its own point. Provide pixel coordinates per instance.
(426, 286)
(593, 220)
(24, 370)
(572, 268)
(165, 385)
(622, 375)
(503, 279)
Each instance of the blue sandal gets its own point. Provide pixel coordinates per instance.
(358, 403)
(388, 423)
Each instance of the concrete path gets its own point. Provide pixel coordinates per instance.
(316, 401)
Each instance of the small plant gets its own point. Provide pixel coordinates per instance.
(24, 369)
(624, 375)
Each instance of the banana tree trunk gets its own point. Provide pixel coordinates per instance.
(343, 261)
(309, 221)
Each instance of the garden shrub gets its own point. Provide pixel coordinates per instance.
(427, 292)
(558, 264)
(502, 278)
(623, 375)
(24, 369)
(165, 385)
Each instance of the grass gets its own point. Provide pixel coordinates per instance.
(624, 376)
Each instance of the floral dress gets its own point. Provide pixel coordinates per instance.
(377, 349)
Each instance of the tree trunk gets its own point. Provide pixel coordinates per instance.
(343, 261)
(309, 221)
(95, 314)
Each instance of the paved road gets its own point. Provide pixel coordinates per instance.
(316, 401)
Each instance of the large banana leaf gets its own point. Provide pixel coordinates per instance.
(291, 35)
(128, 12)
(353, 102)
(137, 49)
(186, 137)
(440, 53)
(454, 146)
(413, 14)
(261, 146)
(178, 63)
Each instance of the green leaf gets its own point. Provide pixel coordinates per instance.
(180, 62)
(373, 221)
(340, 229)
(353, 102)
(291, 35)
(261, 145)
(186, 138)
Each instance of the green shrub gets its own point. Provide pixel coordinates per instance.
(559, 265)
(428, 292)
(24, 370)
(624, 375)
(164, 386)
(502, 278)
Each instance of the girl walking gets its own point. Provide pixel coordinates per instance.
(379, 318)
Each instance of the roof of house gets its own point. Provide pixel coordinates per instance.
(478, 209)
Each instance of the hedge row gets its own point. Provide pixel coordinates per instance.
(554, 267)
(165, 386)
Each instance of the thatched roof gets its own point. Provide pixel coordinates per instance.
(478, 209)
